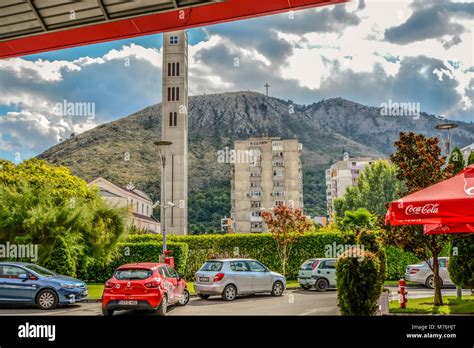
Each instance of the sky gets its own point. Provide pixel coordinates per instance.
(371, 52)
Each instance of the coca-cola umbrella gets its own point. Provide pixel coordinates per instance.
(446, 207)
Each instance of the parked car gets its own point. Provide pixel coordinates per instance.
(421, 273)
(318, 273)
(144, 286)
(27, 283)
(231, 277)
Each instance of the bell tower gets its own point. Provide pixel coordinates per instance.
(174, 128)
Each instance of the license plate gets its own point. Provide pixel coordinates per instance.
(203, 279)
(128, 303)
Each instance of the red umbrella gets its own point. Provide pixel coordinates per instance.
(446, 207)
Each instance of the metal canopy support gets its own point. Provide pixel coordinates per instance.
(104, 11)
(37, 15)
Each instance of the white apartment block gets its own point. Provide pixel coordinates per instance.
(342, 175)
(271, 175)
(139, 204)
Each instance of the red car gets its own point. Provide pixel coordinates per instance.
(144, 286)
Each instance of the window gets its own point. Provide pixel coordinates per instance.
(173, 93)
(143, 208)
(164, 272)
(330, 264)
(147, 211)
(133, 274)
(173, 121)
(169, 93)
(177, 69)
(11, 272)
(255, 213)
(239, 266)
(442, 263)
(211, 266)
(256, 204)
(177, 93)
(172, 272)
(169, 69)
(256, 266)
(173, 71)
(173, 40)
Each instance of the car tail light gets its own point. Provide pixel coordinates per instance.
(109, 285)
(414, 270)
(153, 284)
(315, 264)
(218, 277)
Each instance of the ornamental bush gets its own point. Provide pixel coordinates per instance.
(61, 259)
(358, 286)
(461, 262)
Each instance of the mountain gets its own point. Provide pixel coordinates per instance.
(326, 129)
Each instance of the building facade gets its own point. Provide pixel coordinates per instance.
(137, 202)
(266, 173)
(466, 152)
(174, 128)
(341, 175)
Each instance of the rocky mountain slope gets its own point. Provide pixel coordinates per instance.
(326, 129)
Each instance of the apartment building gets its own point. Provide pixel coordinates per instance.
(266, 173)
(342, 175)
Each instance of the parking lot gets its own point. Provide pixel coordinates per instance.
(292, 302)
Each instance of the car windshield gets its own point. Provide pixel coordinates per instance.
(212, 266)
(41, 270)
(308, 265)
(133, 274)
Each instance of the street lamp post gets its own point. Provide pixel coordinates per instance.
(162, 151)
(447, 127)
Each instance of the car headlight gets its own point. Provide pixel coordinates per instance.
(67, 286)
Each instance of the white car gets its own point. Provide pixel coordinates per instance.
(422, 274)
(320, 273)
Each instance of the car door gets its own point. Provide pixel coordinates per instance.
(330, 271)
(174, 281)
(443, 271)
(165, 277)
(261, 278)
(15, 289)
(241, 275)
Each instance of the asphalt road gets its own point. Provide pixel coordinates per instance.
(292, 302)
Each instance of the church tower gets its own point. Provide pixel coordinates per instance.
(174, 128)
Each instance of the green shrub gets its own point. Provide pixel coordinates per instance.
(61, 259)
(131, 252)
(397, 262)
(358, 284)
(461, 263)
(370, 241)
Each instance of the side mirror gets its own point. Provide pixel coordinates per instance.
(23, 276)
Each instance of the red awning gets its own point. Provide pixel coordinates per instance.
(100, 29)
(446, 207)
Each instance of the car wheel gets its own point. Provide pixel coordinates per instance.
(185, 298)
(47, 299)
(229, 293)
(163, 307)
(107, 312)
(430, 282)
(306, 287)
(203, 296)
(321, 284)
(277, 288)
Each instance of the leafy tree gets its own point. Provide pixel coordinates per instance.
(456, 160)
(286, 225)
(420, 165)
(39, 205)
(376, 186)
(461, 261)
(356, 221)
(470, 160)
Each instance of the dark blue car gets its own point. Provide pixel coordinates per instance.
(27, 283)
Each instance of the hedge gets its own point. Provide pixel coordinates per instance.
(131, 252)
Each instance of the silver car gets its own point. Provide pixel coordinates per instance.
(421, 273)
(231, 277)
(320, 273)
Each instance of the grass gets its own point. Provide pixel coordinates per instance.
(425, 306)
(395, 282)
(96, 289)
